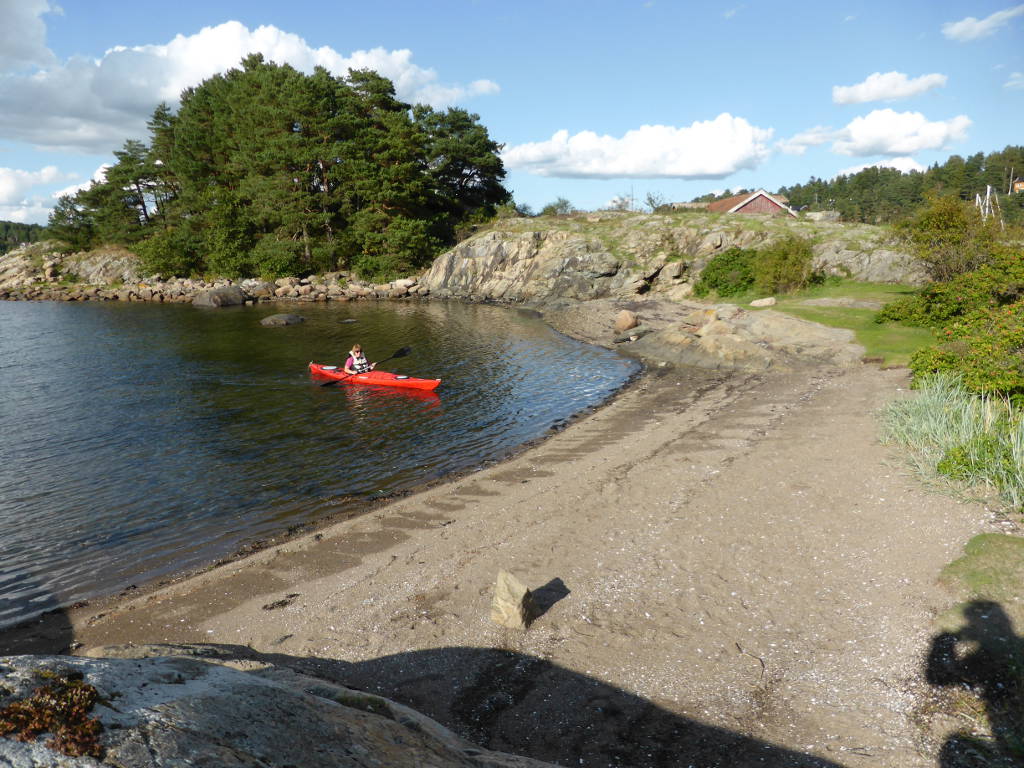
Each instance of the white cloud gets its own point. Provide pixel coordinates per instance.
(35, 211)
(901, 164)
(15, 183)
(799, 143)
(891, 86)
(848, 19)
(711, 149)
(885, 132)
(99, 175)
(971, 28)
(94, 105)
(1016, 81)
(23, 34)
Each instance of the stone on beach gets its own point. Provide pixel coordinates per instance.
(513, 605)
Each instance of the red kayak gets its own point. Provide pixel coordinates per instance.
(379, 378)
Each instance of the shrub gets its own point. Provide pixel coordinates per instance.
(998, 282)
(560, 207)
(985, 347)
(172, 251)
(949, 237)
(784, 266)
(727, 274)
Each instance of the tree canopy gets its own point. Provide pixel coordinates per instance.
(877, 195)
(13, 234)
(265, 170)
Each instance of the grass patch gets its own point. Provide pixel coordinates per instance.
(961, 440)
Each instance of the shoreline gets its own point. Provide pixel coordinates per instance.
(46, 633)
(728, 554)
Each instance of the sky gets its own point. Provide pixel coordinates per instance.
(593, 100)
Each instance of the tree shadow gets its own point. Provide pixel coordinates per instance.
(524, 705)
(986, 657)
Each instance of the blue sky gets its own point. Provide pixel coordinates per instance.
(593, 100)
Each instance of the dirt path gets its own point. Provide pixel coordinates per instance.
(733, 575)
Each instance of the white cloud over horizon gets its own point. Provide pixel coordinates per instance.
(710, 149)
(799, 143)
(971, 28)
(901, 164)
(1015, 82)
(886, 132)
(891, 86)
(93, 105)
(99, 175)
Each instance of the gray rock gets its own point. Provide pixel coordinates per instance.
(626, 320)
(275, 321)
(766, 302)
(227, 296)
(180, 710)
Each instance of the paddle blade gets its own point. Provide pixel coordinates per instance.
(402, 352)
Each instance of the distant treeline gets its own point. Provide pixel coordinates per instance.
(13, 234)
(266, 171)
(877, 195)
(881, 195)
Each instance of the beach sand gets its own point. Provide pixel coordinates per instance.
(731, 571)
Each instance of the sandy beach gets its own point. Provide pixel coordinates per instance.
(732, 571)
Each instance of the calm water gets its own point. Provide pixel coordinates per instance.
(136, 440)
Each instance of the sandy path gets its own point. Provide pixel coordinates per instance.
(749, 582)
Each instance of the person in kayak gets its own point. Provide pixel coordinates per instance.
(357, 362)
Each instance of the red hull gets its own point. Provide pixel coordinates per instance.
(378, 378)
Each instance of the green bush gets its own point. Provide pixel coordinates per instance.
(949, 237)
(985, 453)
(172, 251)
(727, 274)
(998, 282)
(985, 347)
(784, 266)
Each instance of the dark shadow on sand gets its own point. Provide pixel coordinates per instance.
(525, 705)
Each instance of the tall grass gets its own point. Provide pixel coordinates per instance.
(975, 442)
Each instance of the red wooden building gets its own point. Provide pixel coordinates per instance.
(752, 202)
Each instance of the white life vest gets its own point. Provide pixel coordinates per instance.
(360, 364)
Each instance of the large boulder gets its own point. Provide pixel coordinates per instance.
(226, 296)
(274, 321)
(180, 710)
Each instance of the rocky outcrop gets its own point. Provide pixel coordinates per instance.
(227, 296)
(625, 255)
(175, 706)
(722, 336)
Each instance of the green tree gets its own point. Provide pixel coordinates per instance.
(949, 237)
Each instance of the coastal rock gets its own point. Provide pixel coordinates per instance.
(626, 320)
(189, 710)
(228, 296)
(768, 302)
(274, 321)
(513, 605)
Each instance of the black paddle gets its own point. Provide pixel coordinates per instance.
(398, 353)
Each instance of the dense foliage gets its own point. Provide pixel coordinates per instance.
(782, 266)
(985, 347)
(265, 171)
(976, 308)
(13, 234)
(876, 195)
(730, 273)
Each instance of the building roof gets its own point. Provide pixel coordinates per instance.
(734, 203)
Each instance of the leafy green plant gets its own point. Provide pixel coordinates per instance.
(999, 281)
(949, 237)
(784, 265)
(560, 207)
(730, 273)
(986, 347)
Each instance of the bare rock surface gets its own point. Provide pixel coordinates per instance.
(165, 706)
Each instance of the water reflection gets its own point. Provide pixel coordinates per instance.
(139, 440)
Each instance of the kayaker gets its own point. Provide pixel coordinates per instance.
(357, 362)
